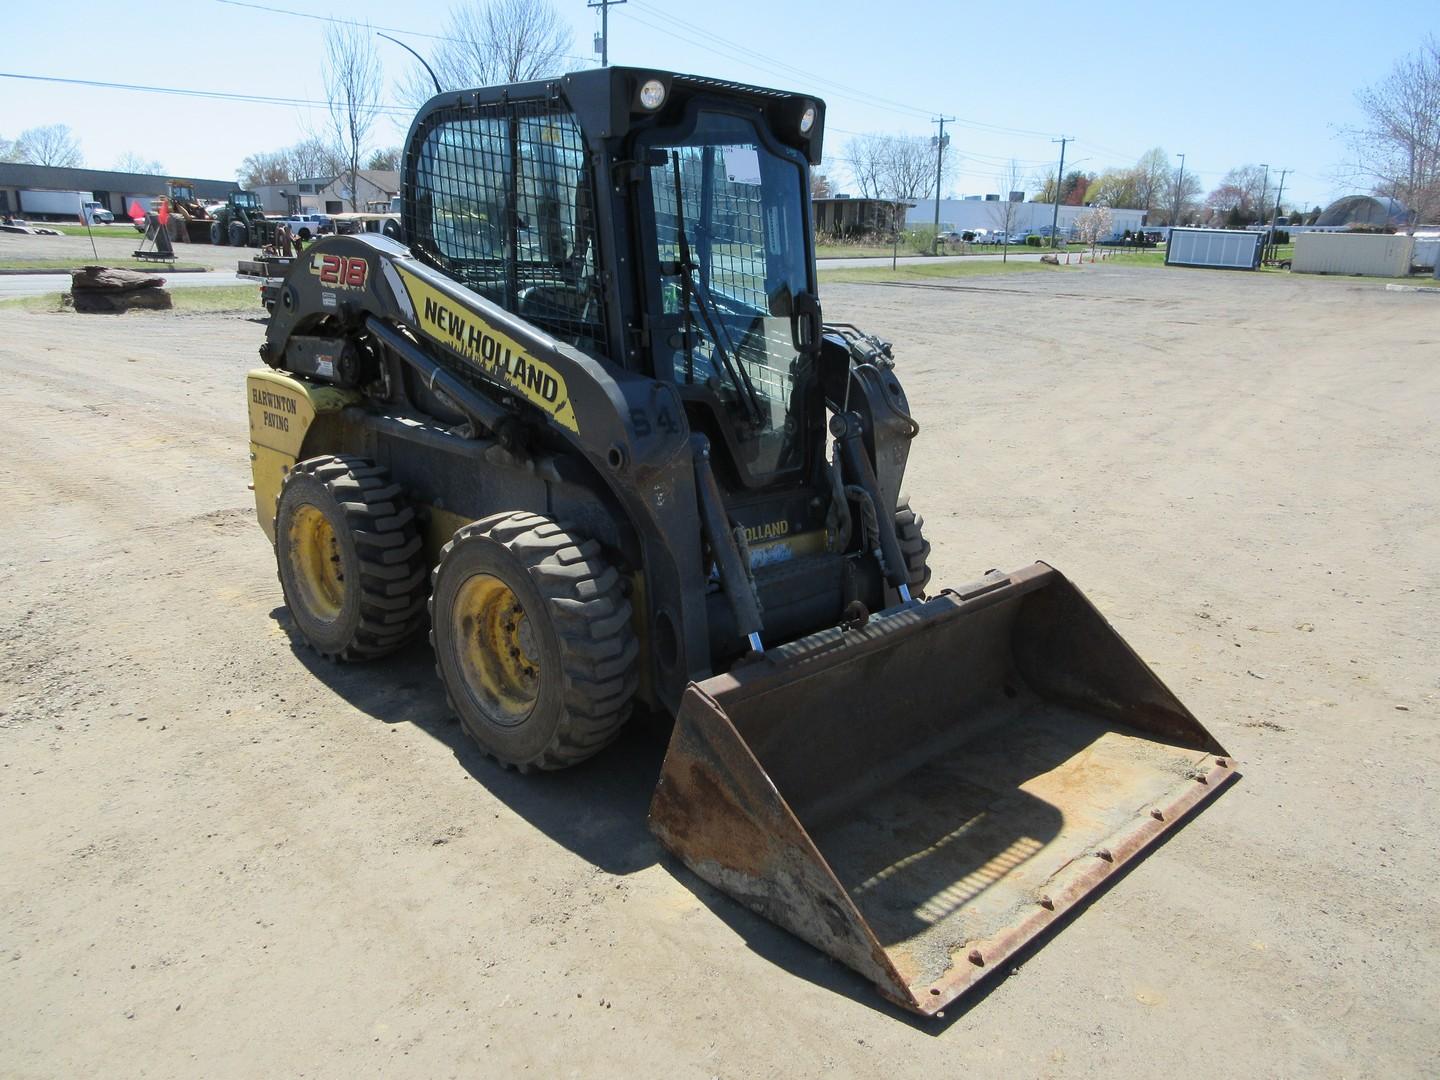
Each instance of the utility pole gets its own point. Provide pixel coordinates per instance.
(1264, 193)
(603, 45)
(1179, 192)
(1059, 180)
(941, 141)
(1270, 232)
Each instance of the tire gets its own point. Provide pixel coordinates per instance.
(533, 641)
(913, 546)
(217, 235)
(391, 229)
(350, 558)
(304, 234)
(238, 234)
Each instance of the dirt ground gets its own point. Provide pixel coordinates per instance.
(224, 858)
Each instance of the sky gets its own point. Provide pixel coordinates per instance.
(1224, 83)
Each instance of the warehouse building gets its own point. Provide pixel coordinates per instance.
(115, 191)
(969, 215)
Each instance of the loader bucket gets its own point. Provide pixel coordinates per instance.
(922, 796)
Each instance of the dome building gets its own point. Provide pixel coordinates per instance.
(1365, 210)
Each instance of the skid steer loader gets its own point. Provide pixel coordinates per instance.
(590, 431)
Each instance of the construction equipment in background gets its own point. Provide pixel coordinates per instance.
(241, 222)
(590, 431)
(186, 218)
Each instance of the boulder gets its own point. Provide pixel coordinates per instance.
(106, 290)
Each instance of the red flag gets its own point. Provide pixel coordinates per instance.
(136, 213)
(164, 212)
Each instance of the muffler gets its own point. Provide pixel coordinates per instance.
(923, 795)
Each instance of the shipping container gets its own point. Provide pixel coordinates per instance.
(1369, 254)
(1217, 249)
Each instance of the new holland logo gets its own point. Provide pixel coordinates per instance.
(771, 530)
(456, 327)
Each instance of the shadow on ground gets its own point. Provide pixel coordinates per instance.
(599, 811)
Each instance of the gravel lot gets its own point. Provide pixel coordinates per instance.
(223, 858)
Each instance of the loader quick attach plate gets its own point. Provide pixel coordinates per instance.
(923, 796)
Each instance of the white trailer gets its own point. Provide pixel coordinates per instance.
(48, 205)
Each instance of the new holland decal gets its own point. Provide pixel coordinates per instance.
(501, 357)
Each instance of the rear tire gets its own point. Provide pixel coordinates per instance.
(913, 546)
(533, 641)
(350, 558)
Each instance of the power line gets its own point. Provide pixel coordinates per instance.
(213, 95)
(766, 62)
(367, 26)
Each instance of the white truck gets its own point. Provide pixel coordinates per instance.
(49, 205)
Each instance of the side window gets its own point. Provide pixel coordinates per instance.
(503, 203)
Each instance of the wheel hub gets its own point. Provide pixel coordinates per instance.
(315, 558)
(495, 649)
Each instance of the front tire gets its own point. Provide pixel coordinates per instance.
(533, 641)
(238, 234)
(350, 558)
(217, 235)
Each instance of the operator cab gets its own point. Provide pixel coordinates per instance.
(655, 221)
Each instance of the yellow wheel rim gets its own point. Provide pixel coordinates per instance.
(495, 649)
(315, 558)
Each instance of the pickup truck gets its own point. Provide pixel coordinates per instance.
(308, 226)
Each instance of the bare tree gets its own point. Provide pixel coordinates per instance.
(1398, 149)
(54, 144)
(486, 42)
(1153, 179)
(132, 162)
(1042, 185)
(313, 157)
(1006, 214)
(265, 168)
(1182, 200)
(352, 89)
(820, 186)
(896, 167)
(7, 150)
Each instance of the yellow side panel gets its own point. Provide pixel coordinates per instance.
(282, 408)
(268, 468)
(494, 352)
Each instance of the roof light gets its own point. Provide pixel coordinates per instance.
(652, 94)
(807, 120)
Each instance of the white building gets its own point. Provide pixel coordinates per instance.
(330, 194)
(969, 215)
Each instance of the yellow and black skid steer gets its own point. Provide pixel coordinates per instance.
(590, 431)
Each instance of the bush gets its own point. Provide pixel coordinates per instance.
(920, 239)
(1034, 241)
